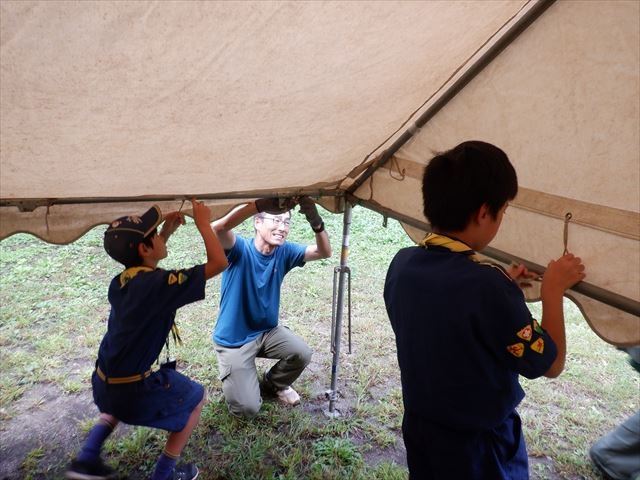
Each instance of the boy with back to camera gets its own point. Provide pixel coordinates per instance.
(463, 330)
(144, 300)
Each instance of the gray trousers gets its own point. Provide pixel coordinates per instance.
(618, 452)
(239, 376)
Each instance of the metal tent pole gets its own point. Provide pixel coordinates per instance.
(343, 272)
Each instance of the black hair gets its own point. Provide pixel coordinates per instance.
(456, 183)
(136, 259)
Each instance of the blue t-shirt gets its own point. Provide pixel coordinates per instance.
(463, 335)
(143, 308)
(250, 297)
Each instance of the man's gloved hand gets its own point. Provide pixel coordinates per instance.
(308, 207)
(275, 206)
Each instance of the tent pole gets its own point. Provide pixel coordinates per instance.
(452, 90)
(343, 272)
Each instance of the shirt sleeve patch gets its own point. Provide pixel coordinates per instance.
(537, 327)
(172, 279)
(538, 346)
(525, 333)
(182, 278)
(517, 349)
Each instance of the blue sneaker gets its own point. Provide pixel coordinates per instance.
(185, 471)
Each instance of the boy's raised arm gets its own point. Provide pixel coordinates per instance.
(560, 275)
(216, 259)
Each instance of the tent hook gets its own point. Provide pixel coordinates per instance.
(567, 217)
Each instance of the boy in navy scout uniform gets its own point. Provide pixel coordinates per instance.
(463, 330)
(144, 300)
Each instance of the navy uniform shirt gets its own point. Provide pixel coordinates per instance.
(143, 307)
(463, 335)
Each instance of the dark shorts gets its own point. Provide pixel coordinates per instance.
(435, 452)
(164, 400)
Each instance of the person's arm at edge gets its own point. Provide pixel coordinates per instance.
(224, 226)
(216, 259)
(561, 274)
(322, 248)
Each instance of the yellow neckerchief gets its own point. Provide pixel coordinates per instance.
(128, 275)
(437, 240)
(453, 245)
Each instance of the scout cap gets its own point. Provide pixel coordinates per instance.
(122, 237)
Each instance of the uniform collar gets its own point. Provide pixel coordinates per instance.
(129, 273)
(451, 244)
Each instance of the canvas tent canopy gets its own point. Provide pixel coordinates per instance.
(106, 107)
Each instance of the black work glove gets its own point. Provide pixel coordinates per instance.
(308, 207)
(274, 206)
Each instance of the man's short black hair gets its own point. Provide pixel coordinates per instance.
(456, 183)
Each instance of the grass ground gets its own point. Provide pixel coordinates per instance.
(52, 316)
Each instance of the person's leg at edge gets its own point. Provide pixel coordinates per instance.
(176, 443)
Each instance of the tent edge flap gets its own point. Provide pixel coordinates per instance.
(613, 220)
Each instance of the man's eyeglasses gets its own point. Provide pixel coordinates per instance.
(278, 221)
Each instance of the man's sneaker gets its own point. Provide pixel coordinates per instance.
(288, 396)
(185, 471)
(90, 470)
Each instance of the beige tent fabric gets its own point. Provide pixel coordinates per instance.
(563, 102)
(107, 107)
(126, 99)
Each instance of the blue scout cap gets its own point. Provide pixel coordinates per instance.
(122, 237)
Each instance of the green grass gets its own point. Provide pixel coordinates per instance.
(53, 315)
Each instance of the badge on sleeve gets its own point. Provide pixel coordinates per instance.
(182, 278)
(172, 279)
(538, 346)
(525, 333)
(517, 349)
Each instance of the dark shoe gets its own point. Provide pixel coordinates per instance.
(185, 471)
(90, 470)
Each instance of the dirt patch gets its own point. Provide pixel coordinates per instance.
(44, 418)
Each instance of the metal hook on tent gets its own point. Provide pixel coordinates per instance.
(385, 221)
(567, 217)
(181, 205)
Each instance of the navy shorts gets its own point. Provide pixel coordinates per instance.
(435, 452)
(163, 400)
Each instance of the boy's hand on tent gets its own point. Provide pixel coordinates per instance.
(521, 275)
(275, 206)
(201, 214)
(562, 274)
(310, 211)
(171, 223)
